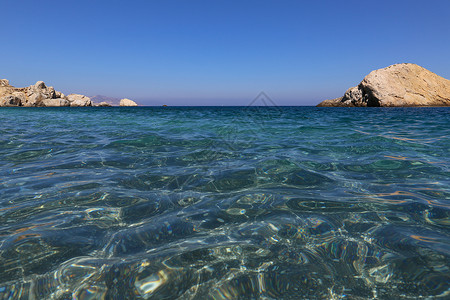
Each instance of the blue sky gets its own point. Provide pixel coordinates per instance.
(217, 52)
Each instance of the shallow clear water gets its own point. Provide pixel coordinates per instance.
(224, 203)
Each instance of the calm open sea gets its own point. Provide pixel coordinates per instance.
(224, 203)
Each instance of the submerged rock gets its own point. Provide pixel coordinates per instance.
(127, 102)
(397, 85)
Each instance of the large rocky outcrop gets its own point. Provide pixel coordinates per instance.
(127, 102)
(397, 85)
(38, 95)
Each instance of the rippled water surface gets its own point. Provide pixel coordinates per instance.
(224, 203)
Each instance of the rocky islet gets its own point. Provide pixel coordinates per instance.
(127, 102)
(39, 95)
(399, 85)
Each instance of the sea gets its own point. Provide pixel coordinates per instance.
(252, 202)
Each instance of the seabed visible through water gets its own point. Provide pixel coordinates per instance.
(224, 203)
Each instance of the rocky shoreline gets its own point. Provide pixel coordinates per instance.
(39, 95)
(399, 85)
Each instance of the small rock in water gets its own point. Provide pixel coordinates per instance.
(79, 100)
(103, 104)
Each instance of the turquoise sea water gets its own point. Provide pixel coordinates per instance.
(224, 203)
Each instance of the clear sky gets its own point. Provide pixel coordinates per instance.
(217, 52)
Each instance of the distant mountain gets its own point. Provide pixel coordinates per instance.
(101, 98)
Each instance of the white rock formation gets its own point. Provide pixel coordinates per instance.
(127, 102)
(79, 100)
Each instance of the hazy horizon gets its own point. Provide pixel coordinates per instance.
(218, 52)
